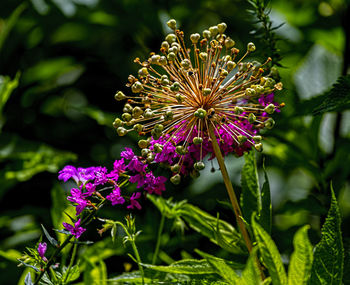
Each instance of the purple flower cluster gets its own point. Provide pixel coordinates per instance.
(130, 168)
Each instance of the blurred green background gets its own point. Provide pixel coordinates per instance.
(61, 62)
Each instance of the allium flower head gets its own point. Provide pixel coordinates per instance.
(182, 95)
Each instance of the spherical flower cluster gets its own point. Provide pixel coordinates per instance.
(92, 181)
(185, 96)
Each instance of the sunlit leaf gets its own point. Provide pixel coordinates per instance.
(72, 274)
(49, 237)
(265, 215)
(301, 260)
(327, 267)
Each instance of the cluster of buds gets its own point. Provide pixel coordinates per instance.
(180, 93)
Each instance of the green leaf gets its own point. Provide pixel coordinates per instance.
(250, 197)
(134, 277)
(95, 273)
(28, 279)
(185, 266)
(271, 256)
(337, 99)
(301, 260)
(221, 267)
(49, 237)
(327, 267)
(218, 231)
(232, 264)
(265, 216)
(71, 275)
(6, 87)
(251, 273)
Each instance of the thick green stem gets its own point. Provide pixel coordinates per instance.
(230, 191)
(137, 255)
(160, 230)
(71, 261)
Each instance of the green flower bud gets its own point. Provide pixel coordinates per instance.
(195, 38)
(257, 139)
(165, 82)
(168, 115)
(206, 34)
(180, 149)
(165, 45)
(148, 113)
(143, 143)
(269, 82)
(143, 71)
(231, 65)
(270, 108)
(150, 157)
(175, 168)
(170, 38)
(158, 128)
(171, 56)
(200, 113)
(214, 30)
(241, 139)
(180, 98)
(158, 148)
(126, 117)
(137, 87)
(224, 73)
(197, 140)
(186, 64)
(138, 128)
(238, 110)
(121, 131)
(162, 60)
(258, 147)
(206, 91)
(155, 135)
(176, 179)
(269, 123)
(175, 86)
(250, 92)
(242, 67)
(127, 108)
(194, 174)
(251, 118)
(145, 152)
(199, 165)
(137, 112)
(251, 47)
(171, 24)
(155, 58)
(222, 27)
(203, 56)
(119, 96)
(259, 89)
(229, 43)
(117, 123)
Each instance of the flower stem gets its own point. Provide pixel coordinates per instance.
(160, 230)
(230, 191)
(71, 262)
(137, 255)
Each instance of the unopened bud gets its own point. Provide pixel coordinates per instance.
(238, 110)
(199, 165)
(206, 91)
(241, 139)
(203, 56)
(171, 24)
(257, 139)
(251, 47)
(206, 34)
(186, 64)
(138, 128)
(197, 140)
(137, 112)
(251, 118)
(214, 30)
(229, 43)
(195, 38)
(222, 27)
(126, 117)
(170, 38)
(158, 148)
(117, 123)
(231, 65)
(200, 113)
(143, 143)
(176, 179)
(269, 123)
(269, 108)
(121, 131)
(119, 96)
(137, 87)
(258, 147)
(175, 168)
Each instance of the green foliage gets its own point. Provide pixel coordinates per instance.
(270, 255)
(301, 260)
(265, 217)
(327, 267)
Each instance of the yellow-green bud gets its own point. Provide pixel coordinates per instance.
(137, 87)
(222, 27)
(117, 123)
(250, 92)
(197, 140)
(143, 71)
(195, 38)
(200, 113)
(238, 110)
(126, 117)
(199, 165)
(138, 128)
(165, 45)
(257, 139)
(186, 64)
(158, 148)
(175, 168)
(251, 118)
(229, 43)
(224, 73)
(269, 123)
(241, 139)
(145, 152)
(214, 30)
(206, 91)
(171, 56)
(155, 135)
(180, 98)
(119, 96)
(259, 89)
(137, 112)
(162, 60)
(148, 113)
(150, 157)
(231, 65)
(171, 24)
(270, 108)
(168, 115)
(158, 128)
(258, 147)
(175, 86)
(143, 143)
(170, 38)
(127, 108)
(206, 34)
(180, 150)
(195, 173)
(251, 47)
(203, 56)
(121, 131)
(176, 179)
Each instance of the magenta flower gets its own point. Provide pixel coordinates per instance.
(75, 230)
(202, 94)
(79, 198)
(127, 153)
(41, 250)
(115, 197)
(133, 202)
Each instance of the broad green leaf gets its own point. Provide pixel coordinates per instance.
(131, 278)
(221, 267)
(251, 273)
(327, 267)
(59, 205)
(185, 266)
(10, 254)
(265, 216)
(52, 240)
(71, 275)
(218, 231)
(95, 273)
(301, 260)
(232, 264)
(250, 197)
(269, 252)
